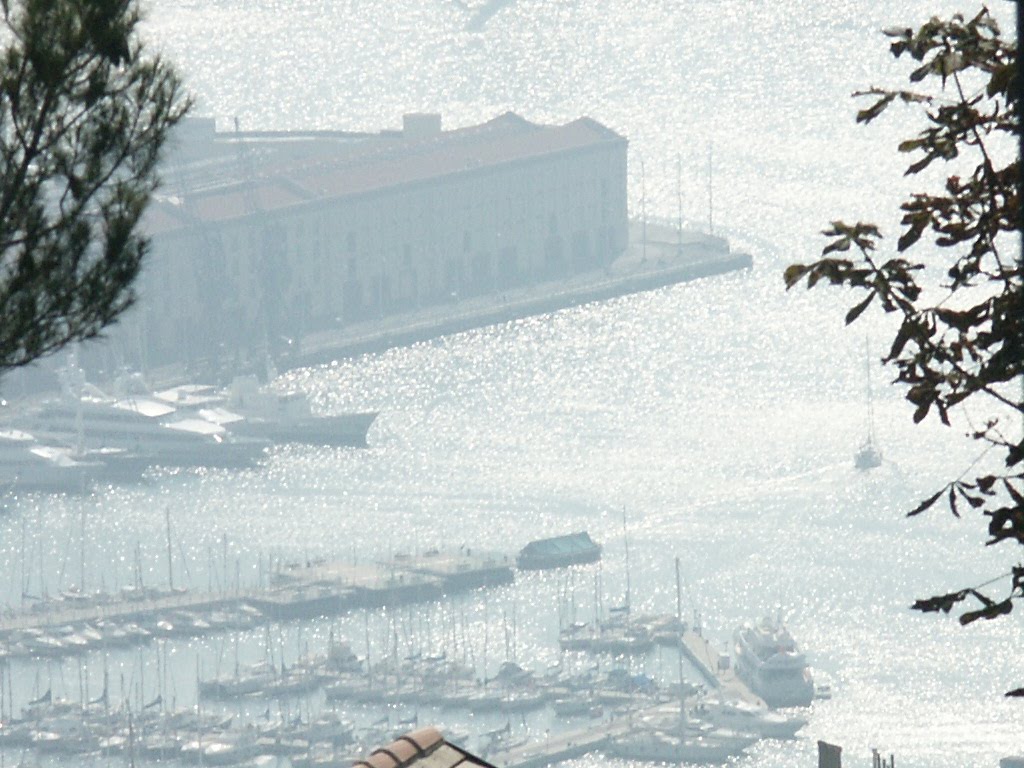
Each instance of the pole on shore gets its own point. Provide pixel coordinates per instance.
(679, 205)
(170, 559)
(625, 540)
(81, 555)
(711, 195)
(643, 208)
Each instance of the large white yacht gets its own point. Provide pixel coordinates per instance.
(136, 430)
(28, 465)
(768, 661)
(246, 408)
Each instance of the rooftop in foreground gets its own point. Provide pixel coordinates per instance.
(424, 748)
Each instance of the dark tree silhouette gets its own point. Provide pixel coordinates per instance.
(84, 113)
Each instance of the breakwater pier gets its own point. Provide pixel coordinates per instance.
(658, 255)
(716, 669)
(299, 592)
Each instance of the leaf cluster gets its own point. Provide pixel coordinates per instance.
(969, 344)
(85, 110)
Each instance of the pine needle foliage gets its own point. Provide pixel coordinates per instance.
(85, 110)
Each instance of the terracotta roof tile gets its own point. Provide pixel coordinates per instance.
(381, 760)
(425, 739)
(379, 163)
(424, 748)
(402, 750)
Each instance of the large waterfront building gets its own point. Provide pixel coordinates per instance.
(259, 237)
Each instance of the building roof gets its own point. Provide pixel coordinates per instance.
(424, 748)
(346, 169)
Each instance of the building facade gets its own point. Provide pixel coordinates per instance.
(260, 238)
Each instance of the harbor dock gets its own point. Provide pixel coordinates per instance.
(581, 741)
(555, 749)
(301, 592)
(118, 610)
(714, 667)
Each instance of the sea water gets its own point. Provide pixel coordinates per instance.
(714, 421)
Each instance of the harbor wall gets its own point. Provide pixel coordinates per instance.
(632, 276)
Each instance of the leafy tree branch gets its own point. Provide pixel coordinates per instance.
(967, 347)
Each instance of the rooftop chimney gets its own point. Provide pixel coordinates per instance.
(421, 125)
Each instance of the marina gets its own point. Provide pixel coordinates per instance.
(154, 730)
(597, 708)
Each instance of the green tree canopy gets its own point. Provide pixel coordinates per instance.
(84, 112)
(958, 298)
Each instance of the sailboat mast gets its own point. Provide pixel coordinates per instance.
(711, 197)
(24, 569)
(679, 204)
(625, 538)
(643, 207)
(679, 594)
(483, 661)
(170, 559)
(679, 615)
(81, 555)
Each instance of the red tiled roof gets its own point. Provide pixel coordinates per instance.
(425, 738)
(400, 751)
(447, 158)
(408, 750)
(383, 162)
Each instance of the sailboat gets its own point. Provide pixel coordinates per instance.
(868, 456)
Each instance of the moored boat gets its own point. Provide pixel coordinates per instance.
(747, 718)
(684, 743)
(246, 408)
(768, 660)
(558, 552)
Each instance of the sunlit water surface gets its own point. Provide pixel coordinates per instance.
(719, 416)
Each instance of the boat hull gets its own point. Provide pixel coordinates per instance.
(558, 552)
(348, 430)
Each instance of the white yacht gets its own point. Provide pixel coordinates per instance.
(685, 742)
(868, 456)
(138, 430)
(743, 717)
(28, 465)
(767, 660)
(246, 408)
